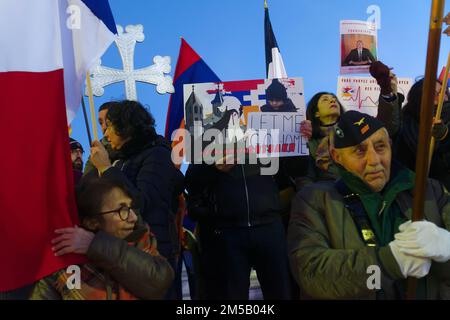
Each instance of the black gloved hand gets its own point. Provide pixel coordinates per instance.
(382, 74)
(439, 131)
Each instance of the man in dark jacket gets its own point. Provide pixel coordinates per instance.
(240, 229)
(359, 56)
(76, 154)
(341, 231)
(102, 111)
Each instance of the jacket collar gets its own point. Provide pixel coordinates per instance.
(133, 147)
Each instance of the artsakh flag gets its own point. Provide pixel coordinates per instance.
(190, 69)
(42, 68)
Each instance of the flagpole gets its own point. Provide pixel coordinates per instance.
(426, 119)
(86, 122)
(440, 104)
(91, 105)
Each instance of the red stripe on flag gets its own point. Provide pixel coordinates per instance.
(36, 188)
(441, 75)
(186, 58)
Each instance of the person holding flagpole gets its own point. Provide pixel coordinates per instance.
(123, 260)
(353, 238)
(102, 111)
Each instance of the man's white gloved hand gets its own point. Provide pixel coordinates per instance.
(424, 239)
(410, 266)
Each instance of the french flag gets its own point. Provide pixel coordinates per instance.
(274, 61)
(47, 46)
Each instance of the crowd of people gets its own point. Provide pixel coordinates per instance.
(349, 209)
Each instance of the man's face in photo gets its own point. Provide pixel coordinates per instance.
(359, 44)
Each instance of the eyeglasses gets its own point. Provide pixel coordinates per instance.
(123, 211)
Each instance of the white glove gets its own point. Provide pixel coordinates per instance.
(424, 239)
(410, 266)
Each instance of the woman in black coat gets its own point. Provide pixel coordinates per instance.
(405, 147)
(144, 164)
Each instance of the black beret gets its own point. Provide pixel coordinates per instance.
(353, 128)
(74, 144)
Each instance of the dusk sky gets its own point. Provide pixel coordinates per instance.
(229, 36)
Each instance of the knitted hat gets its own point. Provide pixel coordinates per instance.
(74, 144)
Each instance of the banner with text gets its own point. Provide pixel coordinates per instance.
(362, 93)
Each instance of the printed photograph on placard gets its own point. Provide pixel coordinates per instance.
(358, 46)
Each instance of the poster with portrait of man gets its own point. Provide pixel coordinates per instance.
(358, 46)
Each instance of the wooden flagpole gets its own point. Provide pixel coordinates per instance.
(426, 118)
(91, 106)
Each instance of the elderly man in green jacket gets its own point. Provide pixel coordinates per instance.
(353, 238)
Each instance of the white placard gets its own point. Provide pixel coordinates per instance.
(273, 134)
(362, 93)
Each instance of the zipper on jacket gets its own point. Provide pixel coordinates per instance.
(246, 195)
(383, 205)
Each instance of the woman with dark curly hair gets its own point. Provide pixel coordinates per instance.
(145, 165)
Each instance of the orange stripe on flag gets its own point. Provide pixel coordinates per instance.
(180, 137)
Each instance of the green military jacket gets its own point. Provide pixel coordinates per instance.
(329, 259)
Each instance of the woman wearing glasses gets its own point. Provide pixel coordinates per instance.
(144, 164)
(122, 260)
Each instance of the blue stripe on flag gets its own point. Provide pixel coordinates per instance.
(102, 10)
(198, 72)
